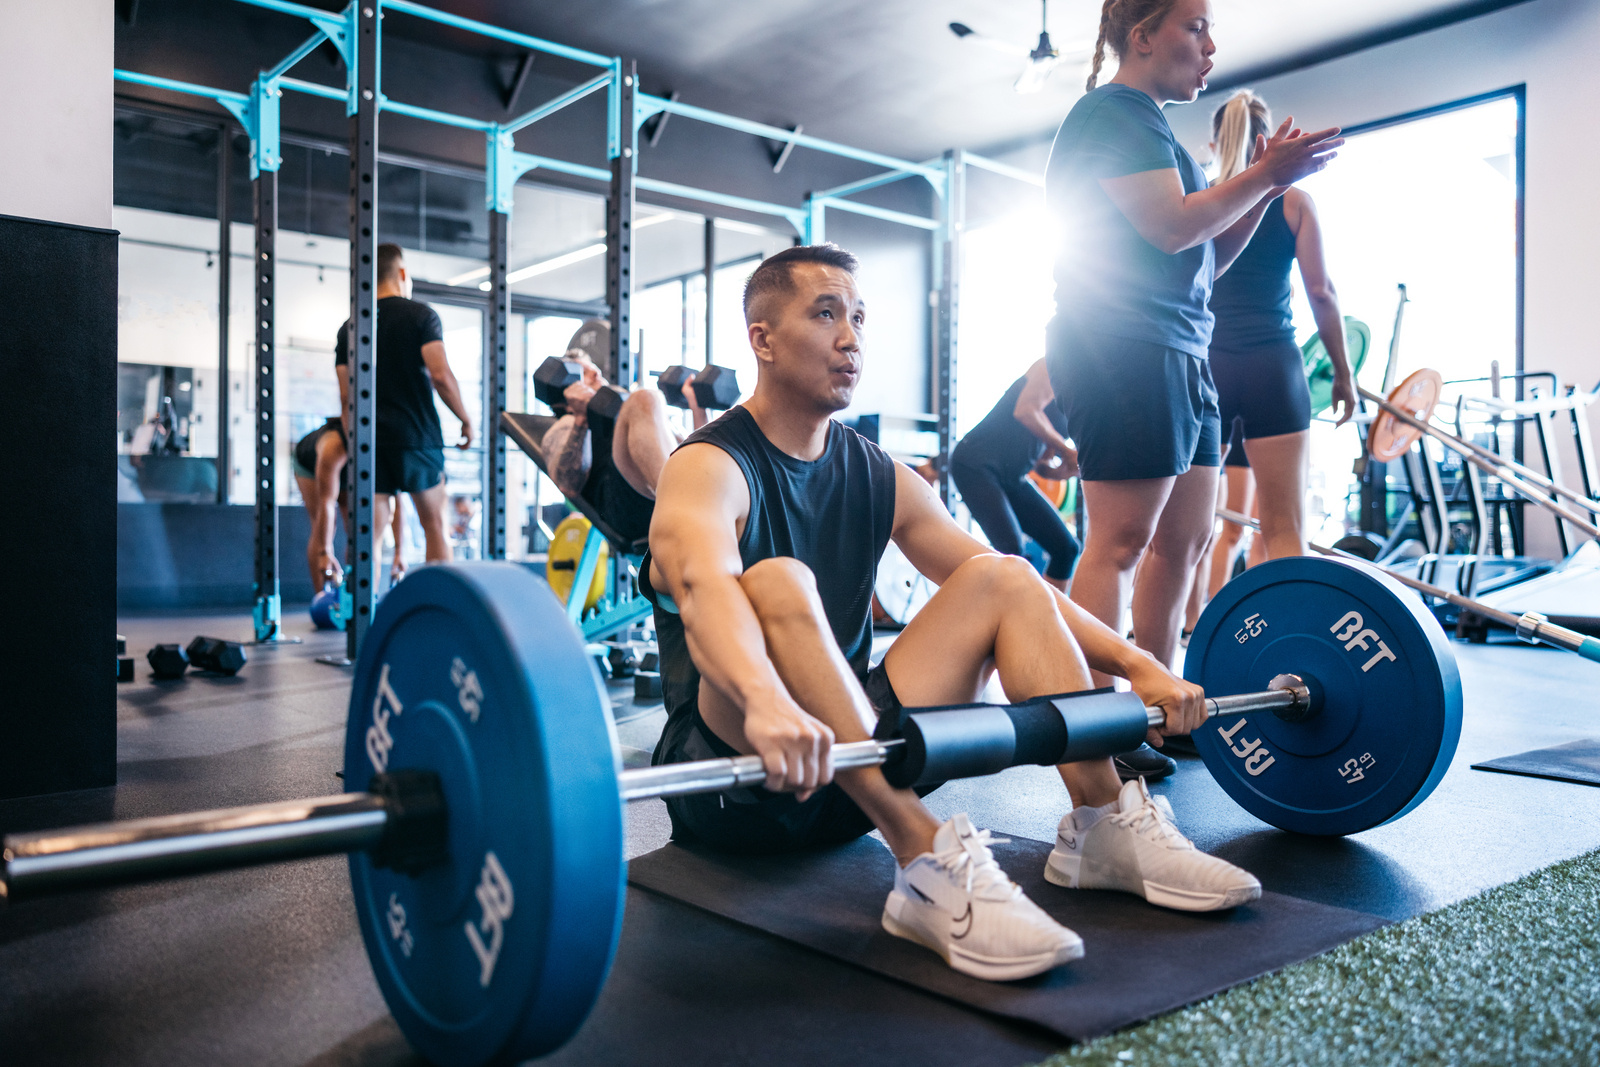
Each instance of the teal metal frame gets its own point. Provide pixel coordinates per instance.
(258, 112)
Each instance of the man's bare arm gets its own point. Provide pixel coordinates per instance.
(449, 390)
(701, 501)
(568, 442)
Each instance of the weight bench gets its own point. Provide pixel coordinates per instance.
(609, 617)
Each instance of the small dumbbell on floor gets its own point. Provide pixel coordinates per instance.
(167, 662)
(216, 655)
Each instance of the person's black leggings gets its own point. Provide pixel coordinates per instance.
(1007, 508)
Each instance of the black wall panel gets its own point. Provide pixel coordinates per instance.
(58, 543)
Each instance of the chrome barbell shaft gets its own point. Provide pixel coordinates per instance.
(135, 850)
(716, 775)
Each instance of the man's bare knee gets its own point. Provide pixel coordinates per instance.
(780, 586)
(998, 574)
(646, 404)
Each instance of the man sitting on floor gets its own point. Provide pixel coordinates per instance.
(638, 443)
(768, 526)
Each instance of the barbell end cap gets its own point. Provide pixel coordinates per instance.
(1307, 696)
(1528, 626)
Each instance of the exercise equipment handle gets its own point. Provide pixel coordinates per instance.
(716, 775)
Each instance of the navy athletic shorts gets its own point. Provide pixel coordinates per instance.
(1134, 409)
(407, 470)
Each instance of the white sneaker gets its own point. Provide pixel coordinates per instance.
(957, 901)
(1133, 845)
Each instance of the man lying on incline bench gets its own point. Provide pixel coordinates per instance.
(768, 527)
(638, 443)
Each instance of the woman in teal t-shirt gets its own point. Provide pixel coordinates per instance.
(1143, 238)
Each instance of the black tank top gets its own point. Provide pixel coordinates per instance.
(1251, 300)
(1001, 443)
(834, 514)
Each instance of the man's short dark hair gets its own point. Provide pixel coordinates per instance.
(389, 259)
(774, 277)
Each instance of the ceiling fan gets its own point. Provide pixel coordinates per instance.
(1043, 58)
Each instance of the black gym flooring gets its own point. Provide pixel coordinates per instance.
(266, 966)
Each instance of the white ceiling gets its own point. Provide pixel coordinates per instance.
(890, 75)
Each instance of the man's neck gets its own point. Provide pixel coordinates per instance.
(388, 289)
(795, 430)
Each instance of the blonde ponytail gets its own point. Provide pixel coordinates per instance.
(1234, 127)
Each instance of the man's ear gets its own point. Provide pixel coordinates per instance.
(761, 341)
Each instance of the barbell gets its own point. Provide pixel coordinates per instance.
(1403, 418)
(1530, 626)
(484, 825)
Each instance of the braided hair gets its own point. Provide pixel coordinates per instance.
(1234, 127)
(1118, 20)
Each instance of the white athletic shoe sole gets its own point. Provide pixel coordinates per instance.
(1063, 871)
(991, 969)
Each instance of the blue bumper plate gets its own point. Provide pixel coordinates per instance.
(472, 671)
(1390, 695)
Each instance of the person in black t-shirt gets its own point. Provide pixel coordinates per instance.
(408, 448)
(768, 527)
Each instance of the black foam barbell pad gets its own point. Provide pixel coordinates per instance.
(973, 740)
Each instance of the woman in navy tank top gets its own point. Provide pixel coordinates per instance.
(1257, 366)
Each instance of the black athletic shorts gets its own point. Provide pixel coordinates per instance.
(755, 819)
(1236, 455)
(626, 510)
(1134, 409)
(407, 470)
(1264, 386)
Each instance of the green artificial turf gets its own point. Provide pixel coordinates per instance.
(1508, 977)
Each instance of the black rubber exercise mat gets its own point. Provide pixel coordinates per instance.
(1140, 961)
(1576, 761)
